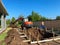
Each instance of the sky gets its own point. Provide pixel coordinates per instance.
(46, 8)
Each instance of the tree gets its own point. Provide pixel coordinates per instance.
(58, 18)
(13, 19)
(30, 17)
(21, 16)
(43, 19)
(8, 22)
(34, 16)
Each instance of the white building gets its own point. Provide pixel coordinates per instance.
(3, 14)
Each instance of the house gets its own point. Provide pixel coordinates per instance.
(3, 14)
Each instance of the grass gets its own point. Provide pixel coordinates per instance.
(3, 43)
(3, 35)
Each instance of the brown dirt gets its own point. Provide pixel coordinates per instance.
(13, 37)
(34, 34)
(37, 34)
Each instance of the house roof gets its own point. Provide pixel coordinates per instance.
(2, 9)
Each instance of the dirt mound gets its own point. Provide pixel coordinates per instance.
(13, 38)
(35, 34)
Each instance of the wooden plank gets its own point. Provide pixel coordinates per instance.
(21, 33)
(26, 40)
(23, 36)
(47, 40)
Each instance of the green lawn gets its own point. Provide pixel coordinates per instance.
(3, 35)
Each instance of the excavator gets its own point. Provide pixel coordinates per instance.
(25, 23)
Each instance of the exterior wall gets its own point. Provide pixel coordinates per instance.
(49, 24)
(3, 22)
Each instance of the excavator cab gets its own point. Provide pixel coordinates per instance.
(27, 24)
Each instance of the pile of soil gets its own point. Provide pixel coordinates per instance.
(36, 34)
(13, 38)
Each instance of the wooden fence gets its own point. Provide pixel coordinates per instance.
(49, 24)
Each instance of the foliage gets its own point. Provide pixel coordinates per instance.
(58, 18)
(21, 16)
(8, 22)
(43, 19)
(30, 17)
(20, 22)
(34, 16)
(13, 19)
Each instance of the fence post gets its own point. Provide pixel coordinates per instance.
(53, 33)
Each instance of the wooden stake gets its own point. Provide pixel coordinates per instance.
(30, 36)
(53, 32)
(38, 39)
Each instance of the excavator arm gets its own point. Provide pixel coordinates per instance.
(12, 24)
